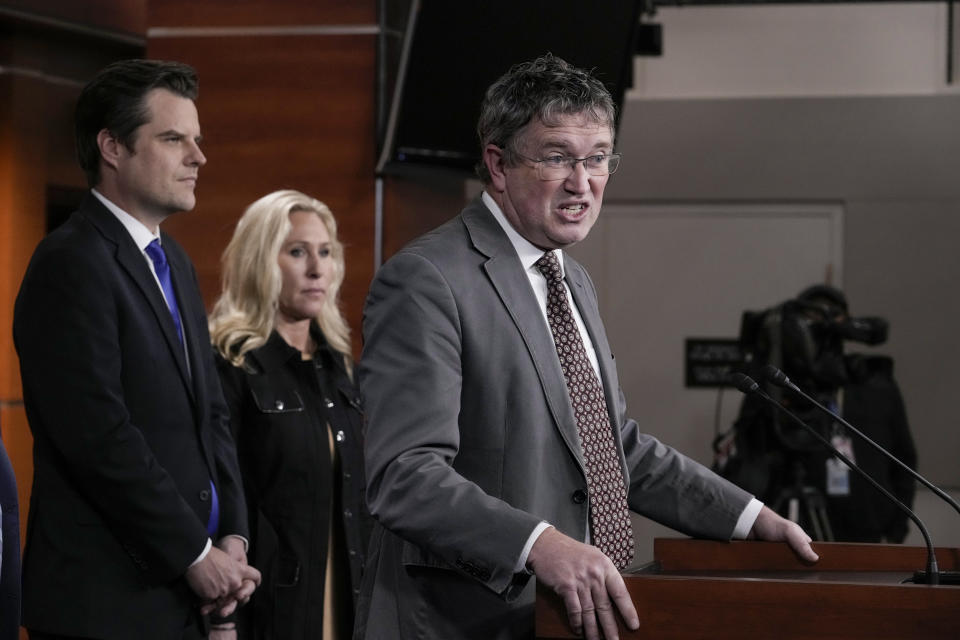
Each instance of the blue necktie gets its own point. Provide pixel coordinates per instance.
(159, 259)
(213, 522)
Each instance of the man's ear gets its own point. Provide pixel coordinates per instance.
(110, 148)
(495, 162)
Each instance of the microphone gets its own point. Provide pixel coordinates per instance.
(748, 386)
(779, 378)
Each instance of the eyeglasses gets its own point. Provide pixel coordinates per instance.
(557, 167)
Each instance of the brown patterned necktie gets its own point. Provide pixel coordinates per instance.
(609, 514)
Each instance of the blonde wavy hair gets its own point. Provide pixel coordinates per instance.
(243, 316)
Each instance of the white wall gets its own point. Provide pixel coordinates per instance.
(843, 105)
(814, 49)
(683, 267)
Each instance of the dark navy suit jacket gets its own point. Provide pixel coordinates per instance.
(127, 435)
(10, 568)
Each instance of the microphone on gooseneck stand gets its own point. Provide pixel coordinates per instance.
(779, 378)
(747, 385)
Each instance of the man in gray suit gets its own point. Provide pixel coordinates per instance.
(481, 463)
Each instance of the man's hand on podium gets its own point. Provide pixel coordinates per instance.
(588, 583)
(773, 527)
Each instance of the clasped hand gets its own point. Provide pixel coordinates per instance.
(223, 580)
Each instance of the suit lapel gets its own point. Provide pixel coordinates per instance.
(132, 261)
(512, 285)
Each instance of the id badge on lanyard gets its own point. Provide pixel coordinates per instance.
(838, 473)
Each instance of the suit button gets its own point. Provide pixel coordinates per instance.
(347, 513)
(579, 496)
(205, 495)
(340, 436)
(279, 405)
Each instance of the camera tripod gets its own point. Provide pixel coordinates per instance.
(804, 505)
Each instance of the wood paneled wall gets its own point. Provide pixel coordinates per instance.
(286, 101)
(413, 204)
(115, 16)
(50, 49)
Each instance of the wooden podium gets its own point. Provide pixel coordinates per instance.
(758, 590)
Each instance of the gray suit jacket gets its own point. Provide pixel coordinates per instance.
(471, 439)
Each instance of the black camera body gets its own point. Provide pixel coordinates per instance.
(805, 336)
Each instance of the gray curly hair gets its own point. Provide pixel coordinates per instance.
(545, 88)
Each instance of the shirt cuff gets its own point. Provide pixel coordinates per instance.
(521, 566)
(746, 520)
(203, 554)
(246, 543)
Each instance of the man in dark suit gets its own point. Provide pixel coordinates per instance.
(497, 440)
(137, 521)
(9, 550)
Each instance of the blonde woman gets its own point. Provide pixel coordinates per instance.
(283, 353)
